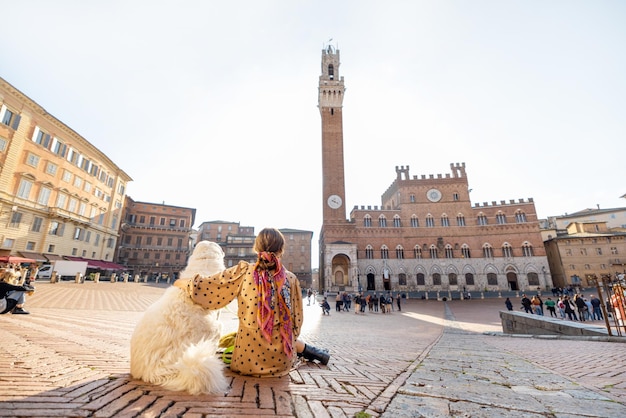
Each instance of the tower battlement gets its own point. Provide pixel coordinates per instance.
(504, 203)
(457, 171)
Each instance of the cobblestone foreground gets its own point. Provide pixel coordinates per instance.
(70, 358)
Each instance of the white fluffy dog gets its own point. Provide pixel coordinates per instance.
(175, 342)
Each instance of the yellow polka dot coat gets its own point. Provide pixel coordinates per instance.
(253, 355)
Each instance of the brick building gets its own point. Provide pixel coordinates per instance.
(297, 256)
(237, 241)
(155, 238)
(59, 194)
(425, 235)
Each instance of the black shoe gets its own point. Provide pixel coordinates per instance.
(313, 353)
(20, 311)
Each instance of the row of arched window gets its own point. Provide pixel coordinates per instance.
(432, 251)
(453, 280)
(444, 220)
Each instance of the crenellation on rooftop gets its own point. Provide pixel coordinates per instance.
(511, 202)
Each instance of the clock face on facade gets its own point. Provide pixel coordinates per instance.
(433, 195)
(334, 201)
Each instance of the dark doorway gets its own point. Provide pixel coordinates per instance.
(371, 283)
(512, 279)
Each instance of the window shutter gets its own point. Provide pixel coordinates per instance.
(16, 122)
(35, 133)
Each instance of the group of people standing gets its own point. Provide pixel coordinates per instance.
(374, 302)
(587, 309)
(576, 308)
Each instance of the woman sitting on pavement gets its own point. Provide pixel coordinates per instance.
(12, 296)
(270, 309)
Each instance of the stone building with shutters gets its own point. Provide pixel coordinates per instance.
(59, 194)
(585, 246)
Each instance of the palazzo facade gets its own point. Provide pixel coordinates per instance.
(425, 235)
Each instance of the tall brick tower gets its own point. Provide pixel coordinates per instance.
(330, 101)
(337, 257)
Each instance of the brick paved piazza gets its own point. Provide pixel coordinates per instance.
(70, 358)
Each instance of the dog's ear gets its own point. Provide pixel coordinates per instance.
(217, 249)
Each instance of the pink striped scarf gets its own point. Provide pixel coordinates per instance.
(274, 289)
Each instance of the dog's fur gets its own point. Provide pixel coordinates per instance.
(174, 344)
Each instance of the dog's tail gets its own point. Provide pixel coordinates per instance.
(199, 370)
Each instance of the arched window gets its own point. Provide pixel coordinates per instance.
(487, 251)
(436, 279)
(465, 251)
(460, 219)
(452, 279)
(421, 280)
(382, 221)
(433, 251)
(533, 279)
(367, 221)
(384, 252)
(449, 251)
(430, 221)
(500, 218)
(369, 252)
(402, 279)
(399, 252)
(482, 219)
(492, 279)
(414, 221)
(396, 221)
(527, 250)
(507, 250)
(520, 217)
(331, 71)
(417, 251)
(444, 220)
(469, 279)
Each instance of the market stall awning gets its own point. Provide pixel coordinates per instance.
(15, 259)
(98, 264)
(53, 257)
(109, 265)
(40, 258)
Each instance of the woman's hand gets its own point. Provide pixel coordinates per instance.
(182, 284)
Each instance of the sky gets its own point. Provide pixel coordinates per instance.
(212, 105)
